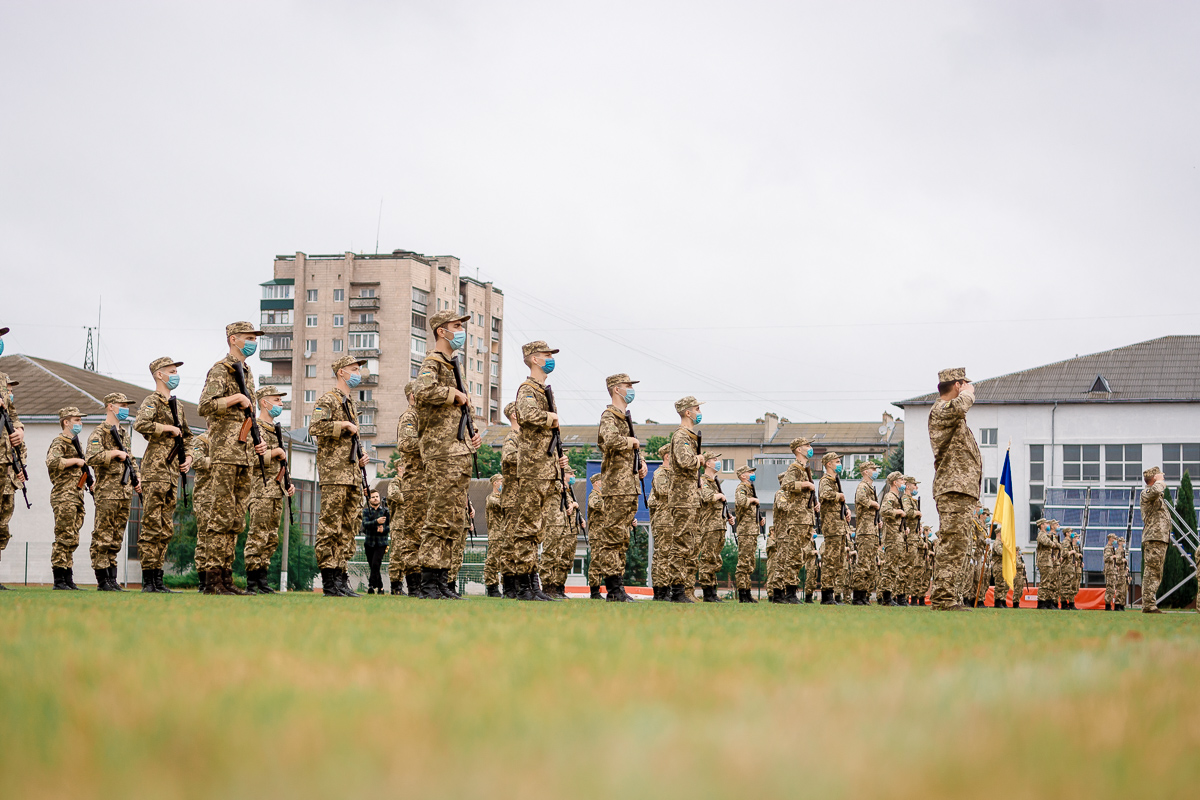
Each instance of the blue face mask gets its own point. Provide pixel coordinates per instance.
(699, 417)
(548, 367)
(249, 347)
(275, 411)
(838, 469)
(1, 347)
(173, 382)
(809, 453)
(914, 492)
(751, 478)
(629, 395)
(123, 413)
(353, 379)
(76, 429)
(458, 340)
(570, 481)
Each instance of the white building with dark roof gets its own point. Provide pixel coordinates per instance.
(1081, 432)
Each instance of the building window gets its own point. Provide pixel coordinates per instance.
(495, 369)
(310, 320)
(1181, 458)
(310, 395)
(420, 300)
(364, 395)
(479, 411)
(337, 345)
(988, 437)
(1037, 486)
(419, 321)
(479, 389)
(727, 465)
(311, 295)
(366, 419)
(339, 320)
(282, 316)
(414, 369)
(366, 292)
(364, 341)
(276, 343)
(310, 346)
(277, 292)
(1122, 462)
(1081, 462)
(495, 327)
(310, 370)
(307, 420)
(339, 295)
(990, 485)
(418, 347)
(367, 316)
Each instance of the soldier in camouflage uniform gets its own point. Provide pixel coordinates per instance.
(793, 519)
(745, 512)
(266, 502)
(1114, 580)
(559, 551)
(10, 480)
(1058, 589)
(66, 467)
(1072, 567)
(1000, 593)
(108, 455)
(812, 569)
(333, 423)
(508, 501)
(458, 550)
(201, 502)
(404, 560)
(595, 518)
(892, 514)
(395, 502)
(683, 500)
(446, 461)
(834, 526)
(1156, 534)
(225, 407)
(918, 547)
(160, 478)
(660, 525)
(619, 450)
(1047, 552)
(1020, 580)
(493, 512)
(712, 522)
(958, 475)
(867, 535)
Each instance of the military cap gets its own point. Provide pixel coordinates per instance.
(510, 411)
(597, 478)
(953, 374)
(1042, 521)
(496, 477)
(620, 377)
(742, 470)
(529, 348)
(268, 391)
(117, 397)
(444, 318)
(798, 442)
(709, 455)
(830, 456)
(347, 361)
(1068, 530)
(6, 380)
(865, 465)
(161, 363)
(911, 479)
(685, 403)
(1150, 473)
(409, 388)
(3, 331)
(894, 476)
(664, 451)
(241, 327)
(69, 411)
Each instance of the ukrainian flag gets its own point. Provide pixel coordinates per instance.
(1004, 516)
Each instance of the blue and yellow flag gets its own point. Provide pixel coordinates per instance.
(1004, 516)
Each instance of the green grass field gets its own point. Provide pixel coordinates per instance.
(301, 696)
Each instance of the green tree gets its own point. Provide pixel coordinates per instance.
(577, 458)
(858, 467)
(1176, 567)
(489, 461)
(895, 461)
(392, 466)
(653, 445)
(181, 550)
(729, 559)
(302, 561)
(637, 560)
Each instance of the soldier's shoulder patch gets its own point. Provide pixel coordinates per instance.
(318, 414)
(426, 372)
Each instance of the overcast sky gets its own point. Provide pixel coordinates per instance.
(801, 207)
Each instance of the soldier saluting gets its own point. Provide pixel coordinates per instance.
(1155, 535)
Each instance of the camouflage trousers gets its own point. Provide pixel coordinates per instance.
(1018, 585)
(263, 538)
(228, 496)
(1045, 569)
(158, 522)
(558, 551)
(842, 585)
(833, 559)
(684, 545)
(537, 503)
(660, 528)
(954, 511)
(711, 544)
(341, 518)
(503, 546)
(865, 572)
(7, 504)
(893, 563)
(220, 551)
(458, 548)
(406, 527)
(1001, 585)
(111, 518)
(799, 532)
(610, 539)
(68, 519)
(747, 547)
(786, 553)
(396, 570)
(812, 577)
(1154, 554)
(1114, 587)
(446, 481)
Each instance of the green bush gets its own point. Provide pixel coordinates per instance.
(637, 560)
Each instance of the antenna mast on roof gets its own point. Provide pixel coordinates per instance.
(89, 355)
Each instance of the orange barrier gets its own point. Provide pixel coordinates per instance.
(640, 591)
(1085, 600)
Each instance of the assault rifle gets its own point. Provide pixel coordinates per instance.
(287, 477)
(19, 467)
(700, 457)
(127, 474)
(356, 449)
(813, 505)
(86, 479)
(466, 426)
(637, 452)
(555, 449)
(250, 423)
(178, 451)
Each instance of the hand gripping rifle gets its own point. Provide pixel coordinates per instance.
(19, 467)
(287, 477)
(178, 451)
(128, 473)
(356, 449)
(466, 426)
(637, 452)
(814, 506)
(86, 479)
(250, 423)
(555, 449)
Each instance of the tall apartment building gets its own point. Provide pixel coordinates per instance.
(377, 307)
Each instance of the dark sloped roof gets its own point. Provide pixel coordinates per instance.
(1165, 370)
(46, 386)
(745, 434)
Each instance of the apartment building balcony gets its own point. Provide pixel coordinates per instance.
(287, 405)
(274, 380)
(370, 380)
(364, 303)
(276, 329)
(368, 405)
(369, 353)
(366, 430)
(276, 355)
(364, 327)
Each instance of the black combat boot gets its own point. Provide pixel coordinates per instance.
(708, 594)
(148, 581)
(102, 581)
(595, 593)
(112, 579)
(200, 580)
(509, 585)
(444, 586)
(162, 588)
(526, 590)
(789, 596)
(60, 583)
(493, 590)
(683, 594)
(774, 596)
(1108, 606)
(743, 596)
(625, 598)
(536, 581)
(343, 579)
(329, 583)
(429, 585)
(660, 594)
(264, 585)
(413, 581)
(886, 598)
(826, 597)
(998, 602)
(251, 581)
(69, 573)
(610, 588)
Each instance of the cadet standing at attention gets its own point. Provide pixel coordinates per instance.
(226, 407)
(1000, 593)
(595, 517)
(833, 526)
(891, 514)
(867, 538)
(958, 474)
(508, 500)
(1114, 581)
(1020, 581)
(493, 513)
(610, 541)
(333, 426)
(108, 454)
(1047, 547)
(10, 446)
(793, 518)
(712, 528)
(162, 428)
(812, 565)
(406, 544)
(660, 525)
(395, 503)
(446, 461)
(684, 500)
(266, 502)
(1156, 533)
(201, 500)
(66, 466)
(745, 512)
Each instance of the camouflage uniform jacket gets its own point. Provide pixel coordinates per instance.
(64, 480)
(686, 465)
(1110, 558)
(781, 510)
(957, 464)
(864, 495)
(154, 410)
(660, 485)
(712, 515)
(508, 468)
(911, 520)
(108, 474)
(201, 462)
(617, 451)
(800, 501)
(408, 442)
(225, 424)
(832, 522)
(494, 512)
(395, 495)
(997, 553)
(6, 453)
(335, 463)
(1047, 545)
(534, 462)
(437, 415)
(745, 513)
(274, 488)
(595, 503)
(1155, 517)
(891, 523)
